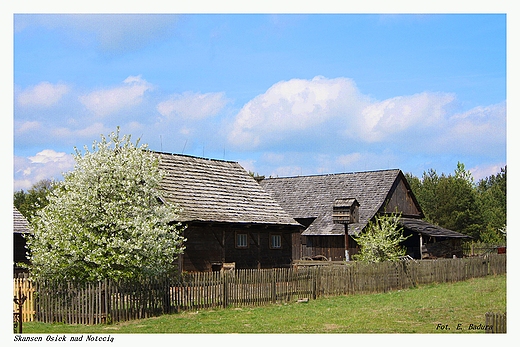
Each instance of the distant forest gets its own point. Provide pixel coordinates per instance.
(455, 201)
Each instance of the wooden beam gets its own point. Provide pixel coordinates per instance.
(420, 244)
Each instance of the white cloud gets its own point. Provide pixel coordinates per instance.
(107, 101)
(194, 106)
(332, 113)
(381, 120)
(48, 156)
(43, 94)
(482, 171)
(479, 130)
(292, 106)
(46, 164)
(27, 126)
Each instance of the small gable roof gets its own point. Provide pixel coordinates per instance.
(314, 196)
(210, 190)
(20, 223)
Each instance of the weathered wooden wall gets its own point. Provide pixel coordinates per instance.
(401, 200)
(211, 244)
(330, 246)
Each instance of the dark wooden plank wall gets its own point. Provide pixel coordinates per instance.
(400, 199)
(330, 246)
(212, 244)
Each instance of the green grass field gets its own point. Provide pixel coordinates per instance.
(424, 309)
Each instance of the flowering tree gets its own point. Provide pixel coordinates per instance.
(381, 241)
(106, 218)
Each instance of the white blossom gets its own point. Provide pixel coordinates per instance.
(105, 219)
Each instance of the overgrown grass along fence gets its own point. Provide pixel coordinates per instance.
(111, 301)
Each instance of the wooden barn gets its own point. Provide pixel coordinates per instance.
(20, 227)
(334, 207)
(229, 217)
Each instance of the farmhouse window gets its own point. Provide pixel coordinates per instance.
(275, 241)
(241, 240)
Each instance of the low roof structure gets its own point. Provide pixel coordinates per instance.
(217, 191)
(425, 228)
(20, 224)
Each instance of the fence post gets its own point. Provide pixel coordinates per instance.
(496, 323)
(225, 289)
(19, 301)
(273, 285)
(315, 277)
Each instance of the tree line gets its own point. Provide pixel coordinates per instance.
(456, 202)
(453, 201)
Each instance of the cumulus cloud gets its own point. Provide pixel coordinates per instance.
(335, 114)
(46, 164)
(48, 156)
(43, 94)
(381, 120)
(190, 105)
(107, 101)
(28, 126)
(481, 129)
(294, 105)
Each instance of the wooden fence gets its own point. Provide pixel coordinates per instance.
(111, 301)
(496, 323)
(25, 286)
(473, 248)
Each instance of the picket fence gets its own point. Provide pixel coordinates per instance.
(496, 323)
(112, 301)
(23, 285)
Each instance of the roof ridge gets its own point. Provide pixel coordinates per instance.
(194, 157)
(334, 174)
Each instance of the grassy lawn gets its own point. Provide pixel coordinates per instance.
(415, 310)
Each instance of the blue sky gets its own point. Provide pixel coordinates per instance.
(282, 94)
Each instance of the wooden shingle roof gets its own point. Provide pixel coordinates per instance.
(20, 224)
(209, 190)
(425, 228)
(314, 196)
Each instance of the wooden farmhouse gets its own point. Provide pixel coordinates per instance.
(229, 217)
(336, 206)
(20, 227)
